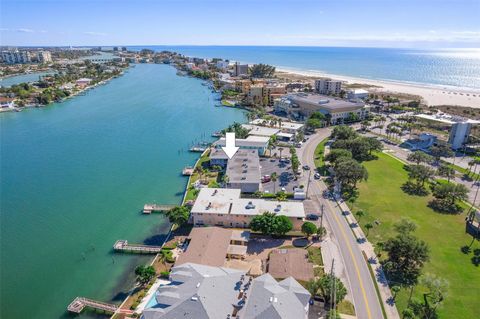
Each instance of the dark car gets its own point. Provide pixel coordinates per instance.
(312, 217)
(306, 167)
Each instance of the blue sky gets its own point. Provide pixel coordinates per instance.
(379, 23)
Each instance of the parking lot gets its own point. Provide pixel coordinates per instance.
(285, 177)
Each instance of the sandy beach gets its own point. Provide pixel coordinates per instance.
(431, 94)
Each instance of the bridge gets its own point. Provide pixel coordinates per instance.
(123, 245)
(150, 208)
(79, 303)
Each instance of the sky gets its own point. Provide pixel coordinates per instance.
(363, 23)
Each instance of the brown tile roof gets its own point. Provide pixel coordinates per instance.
(208, 246)
(293, 262)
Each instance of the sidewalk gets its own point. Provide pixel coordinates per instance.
(368, 249)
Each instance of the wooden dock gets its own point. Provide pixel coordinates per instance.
(123, 245)
(188, 171)
(150, 208)
(79, 303)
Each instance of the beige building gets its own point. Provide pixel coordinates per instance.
(224, 207)
(44, 56)
(302, 105)
(328, 86)
(270, 93)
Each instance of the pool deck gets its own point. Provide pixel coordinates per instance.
(159, 282)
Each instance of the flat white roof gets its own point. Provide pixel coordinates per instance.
(288, 135)
(260, 130)
(285, 125)
(359, 91)
(227, 201)
(250, 141)
(447, 118)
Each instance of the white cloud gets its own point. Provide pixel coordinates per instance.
(101, 34)
(25, 30)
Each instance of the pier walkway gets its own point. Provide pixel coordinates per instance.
(123, 245)
(150, 208)
(79, 303)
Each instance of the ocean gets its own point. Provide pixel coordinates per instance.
(75, 176)
(447, 67)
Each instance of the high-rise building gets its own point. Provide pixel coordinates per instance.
(44, 56)
(13, 57)
(328, 86)
(240, 69)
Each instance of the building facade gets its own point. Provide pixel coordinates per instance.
(224, 207)
(44, 57)
(302, 105)
(328, 86)
(15, 57)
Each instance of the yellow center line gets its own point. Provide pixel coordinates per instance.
(354, 264)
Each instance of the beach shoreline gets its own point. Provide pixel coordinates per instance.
(432, 94)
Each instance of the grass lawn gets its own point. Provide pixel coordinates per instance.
(319, 155)
(211, 176)
(383, 200)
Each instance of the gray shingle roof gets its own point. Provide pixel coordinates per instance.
(211, 293)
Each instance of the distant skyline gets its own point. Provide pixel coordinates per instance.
(367, 23)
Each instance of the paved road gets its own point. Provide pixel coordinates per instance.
(363, 291)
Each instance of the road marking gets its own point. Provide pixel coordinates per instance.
(354, 264)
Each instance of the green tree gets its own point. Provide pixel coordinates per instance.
(441, 150)
(178, 215)
(282, 225)
(368, 226)
(360, 214)
(446, 171)
(144, 274)
(321, 231)
(419, 157)
(447, 195)
(343, 132)
(309, 228)
(349, 172)
(420, 174)
(336, 154)
(325, 285)
(271, 224)
(273, 178)
(406, 258)
(262, 71)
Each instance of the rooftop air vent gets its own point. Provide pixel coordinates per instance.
(250, 205)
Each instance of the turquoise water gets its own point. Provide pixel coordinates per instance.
(75, 175)
(455, 67)
(31, 77)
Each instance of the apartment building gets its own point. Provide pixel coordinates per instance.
(240, 69)
(328, 86)
(14, 57)
(44, 57)
(224, 207)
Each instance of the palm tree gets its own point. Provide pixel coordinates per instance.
(368, 226)
(273, 178)
(395, 290)
(360, 214)
(280, 149)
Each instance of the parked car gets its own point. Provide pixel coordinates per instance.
(266, 178)
(306, 167)
(312, 217)
(317, 176)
